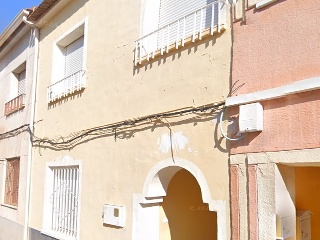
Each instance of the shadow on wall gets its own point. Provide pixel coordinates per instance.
(270, 5)
(65, 99)
(184, 215)
(37, 235)
(176, 53)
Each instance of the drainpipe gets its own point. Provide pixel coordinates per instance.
(35, 33)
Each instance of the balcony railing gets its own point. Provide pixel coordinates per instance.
(203, 21)
(14, 105)
(69, 85)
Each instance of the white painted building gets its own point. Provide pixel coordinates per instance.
(17, 75)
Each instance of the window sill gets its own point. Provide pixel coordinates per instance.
(9, 206)
(264, 3)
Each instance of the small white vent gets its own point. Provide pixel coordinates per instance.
(251, 118)
(114, 215)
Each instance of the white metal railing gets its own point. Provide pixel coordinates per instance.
(211, 16)
(64, 201)
(69, 85)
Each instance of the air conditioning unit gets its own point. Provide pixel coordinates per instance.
(250, 118)
(114, 215)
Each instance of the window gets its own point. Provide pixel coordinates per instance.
(68, 71)
(61, 212)
(12, 181)
(178, 22)
(17, 90)
(22, 83)
(73, 57)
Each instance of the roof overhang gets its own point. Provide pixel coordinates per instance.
(15, 30)
(46, 11)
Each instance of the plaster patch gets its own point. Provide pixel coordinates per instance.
(179, 141)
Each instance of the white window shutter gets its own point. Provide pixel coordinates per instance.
(171, 10)
(22, 83)
(74, 57)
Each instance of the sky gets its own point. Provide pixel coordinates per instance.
(10, 8)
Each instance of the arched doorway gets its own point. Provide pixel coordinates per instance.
(183, 215)
(150, 212)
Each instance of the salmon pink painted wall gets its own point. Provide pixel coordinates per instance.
(278, 45)
(289, 123)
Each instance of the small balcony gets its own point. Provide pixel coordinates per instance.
(194, 26)
(15, 105)
(67, 86)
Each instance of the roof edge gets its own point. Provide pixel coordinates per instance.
(13, 26)
(42, 10)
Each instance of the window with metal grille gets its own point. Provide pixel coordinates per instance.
(63, 200)
(12, 181)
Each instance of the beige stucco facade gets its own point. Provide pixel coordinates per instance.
(121, 166)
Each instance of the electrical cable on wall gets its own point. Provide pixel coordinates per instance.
(15, 132)
(110, 129)
(63, 142)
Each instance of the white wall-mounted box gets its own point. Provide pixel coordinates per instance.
(114, 215)
(250, 117)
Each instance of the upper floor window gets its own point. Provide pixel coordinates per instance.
(12, 181)
(73, 57)
(22, 82)
(178, 23)
(69, 60)
(17, 90)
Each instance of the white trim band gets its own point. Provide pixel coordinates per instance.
(273, 93)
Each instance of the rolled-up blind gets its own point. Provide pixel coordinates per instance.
(74, 57)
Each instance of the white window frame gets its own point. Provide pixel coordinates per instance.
(59, 90)
(3, 163)
(14, 80)
(78, 30)
(66, 161)
(148, 21)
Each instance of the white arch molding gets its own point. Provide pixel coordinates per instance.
(146, 204)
